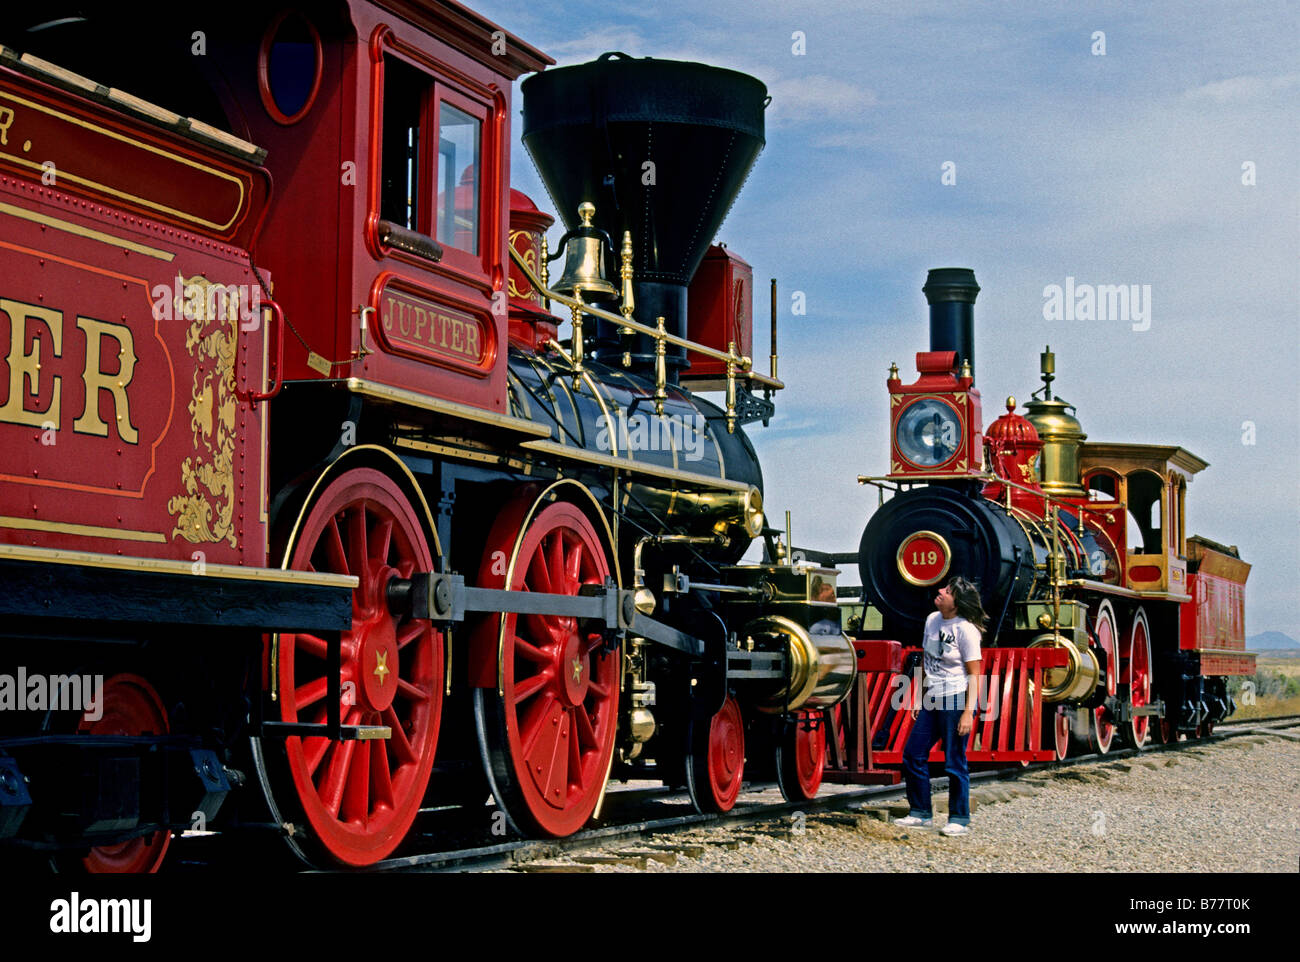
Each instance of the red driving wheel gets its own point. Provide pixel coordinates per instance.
(1137, 679)
(716, 766)
(130, 707)
(801, 757)
(548, 733)
(1101, 731)
(360, 797)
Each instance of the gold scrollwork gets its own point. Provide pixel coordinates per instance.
(204, 513)
(529, 255)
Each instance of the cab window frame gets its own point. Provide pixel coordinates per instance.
(437, 90)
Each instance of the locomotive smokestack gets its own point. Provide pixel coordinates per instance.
(951, 293)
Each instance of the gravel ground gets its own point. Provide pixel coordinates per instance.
(1227, 807)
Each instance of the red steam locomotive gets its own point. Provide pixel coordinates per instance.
(309, 518)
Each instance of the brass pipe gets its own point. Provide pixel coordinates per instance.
(661, 369)
(546, 274)
(629, 301)
(578, 347)
(731, 386)
(773, 356)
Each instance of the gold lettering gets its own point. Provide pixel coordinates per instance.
(421, 321)
(443, 338)
(471, 342)
(404, 322)
(6, 120)
(114, 383)
(388, 313)
(23, 365)
(457, 332)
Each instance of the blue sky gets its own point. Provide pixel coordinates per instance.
(1122, 168)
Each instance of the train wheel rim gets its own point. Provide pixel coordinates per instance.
(1103, 730)
(1139, 680)
(557, 710)
(131, 706)
(801, 757)
(361, 797)
(1056, 729)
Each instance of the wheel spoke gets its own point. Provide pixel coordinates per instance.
(539, 574)
(310, 693)
(534, 722)
(411, 692)
(597, 689)
(314, 750)
(575, 749)
(401, 745)
(381, 778)
(381, 539)
(356, 794)
(310, 645)
(409, 634)
(544, 629)
(531, 686)
(530, 651)
(338, 558)
(572, 568)
(586, 734)
(336, 773)
(358, 556)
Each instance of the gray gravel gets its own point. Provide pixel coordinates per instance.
(1226, 807)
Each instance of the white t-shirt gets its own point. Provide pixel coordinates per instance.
(948, 643)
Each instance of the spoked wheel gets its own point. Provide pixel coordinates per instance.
(1101, 731)
(1162, 729)
(1136, 679)
(548, 733)
(360, 797)
(715, 763)
(130, 707)
(801, 757)
(1056, 730)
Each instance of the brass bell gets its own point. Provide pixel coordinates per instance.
(584, 261)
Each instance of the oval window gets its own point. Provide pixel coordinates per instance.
(289, 67)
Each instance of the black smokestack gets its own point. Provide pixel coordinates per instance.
(951, 292)
(662, 148)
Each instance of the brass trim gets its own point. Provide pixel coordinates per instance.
(1249, 653)
(1105, 589)
(635, 467)
(88, 233)
(89, 559)
(104, 188)
(86, 530)
(437, 405)
(947, 558)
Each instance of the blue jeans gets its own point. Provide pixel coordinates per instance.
(933, 724)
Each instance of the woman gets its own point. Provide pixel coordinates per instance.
(951, 644)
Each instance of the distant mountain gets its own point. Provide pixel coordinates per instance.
(1271, 641)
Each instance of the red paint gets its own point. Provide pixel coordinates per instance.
(719, 311)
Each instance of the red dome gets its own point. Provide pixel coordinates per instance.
(1012, 431)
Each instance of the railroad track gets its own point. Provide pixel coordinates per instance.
(641, 819)
(635, 839)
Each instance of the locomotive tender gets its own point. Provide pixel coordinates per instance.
(296, 467)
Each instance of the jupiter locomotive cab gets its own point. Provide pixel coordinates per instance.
(377, 534)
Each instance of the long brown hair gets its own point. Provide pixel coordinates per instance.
(969, 606)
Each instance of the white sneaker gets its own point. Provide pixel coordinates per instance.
(956, 828)
(911, 821)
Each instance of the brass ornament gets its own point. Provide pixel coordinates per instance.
(205, 511)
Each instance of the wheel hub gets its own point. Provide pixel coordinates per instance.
(376, 663)
(575, 669)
